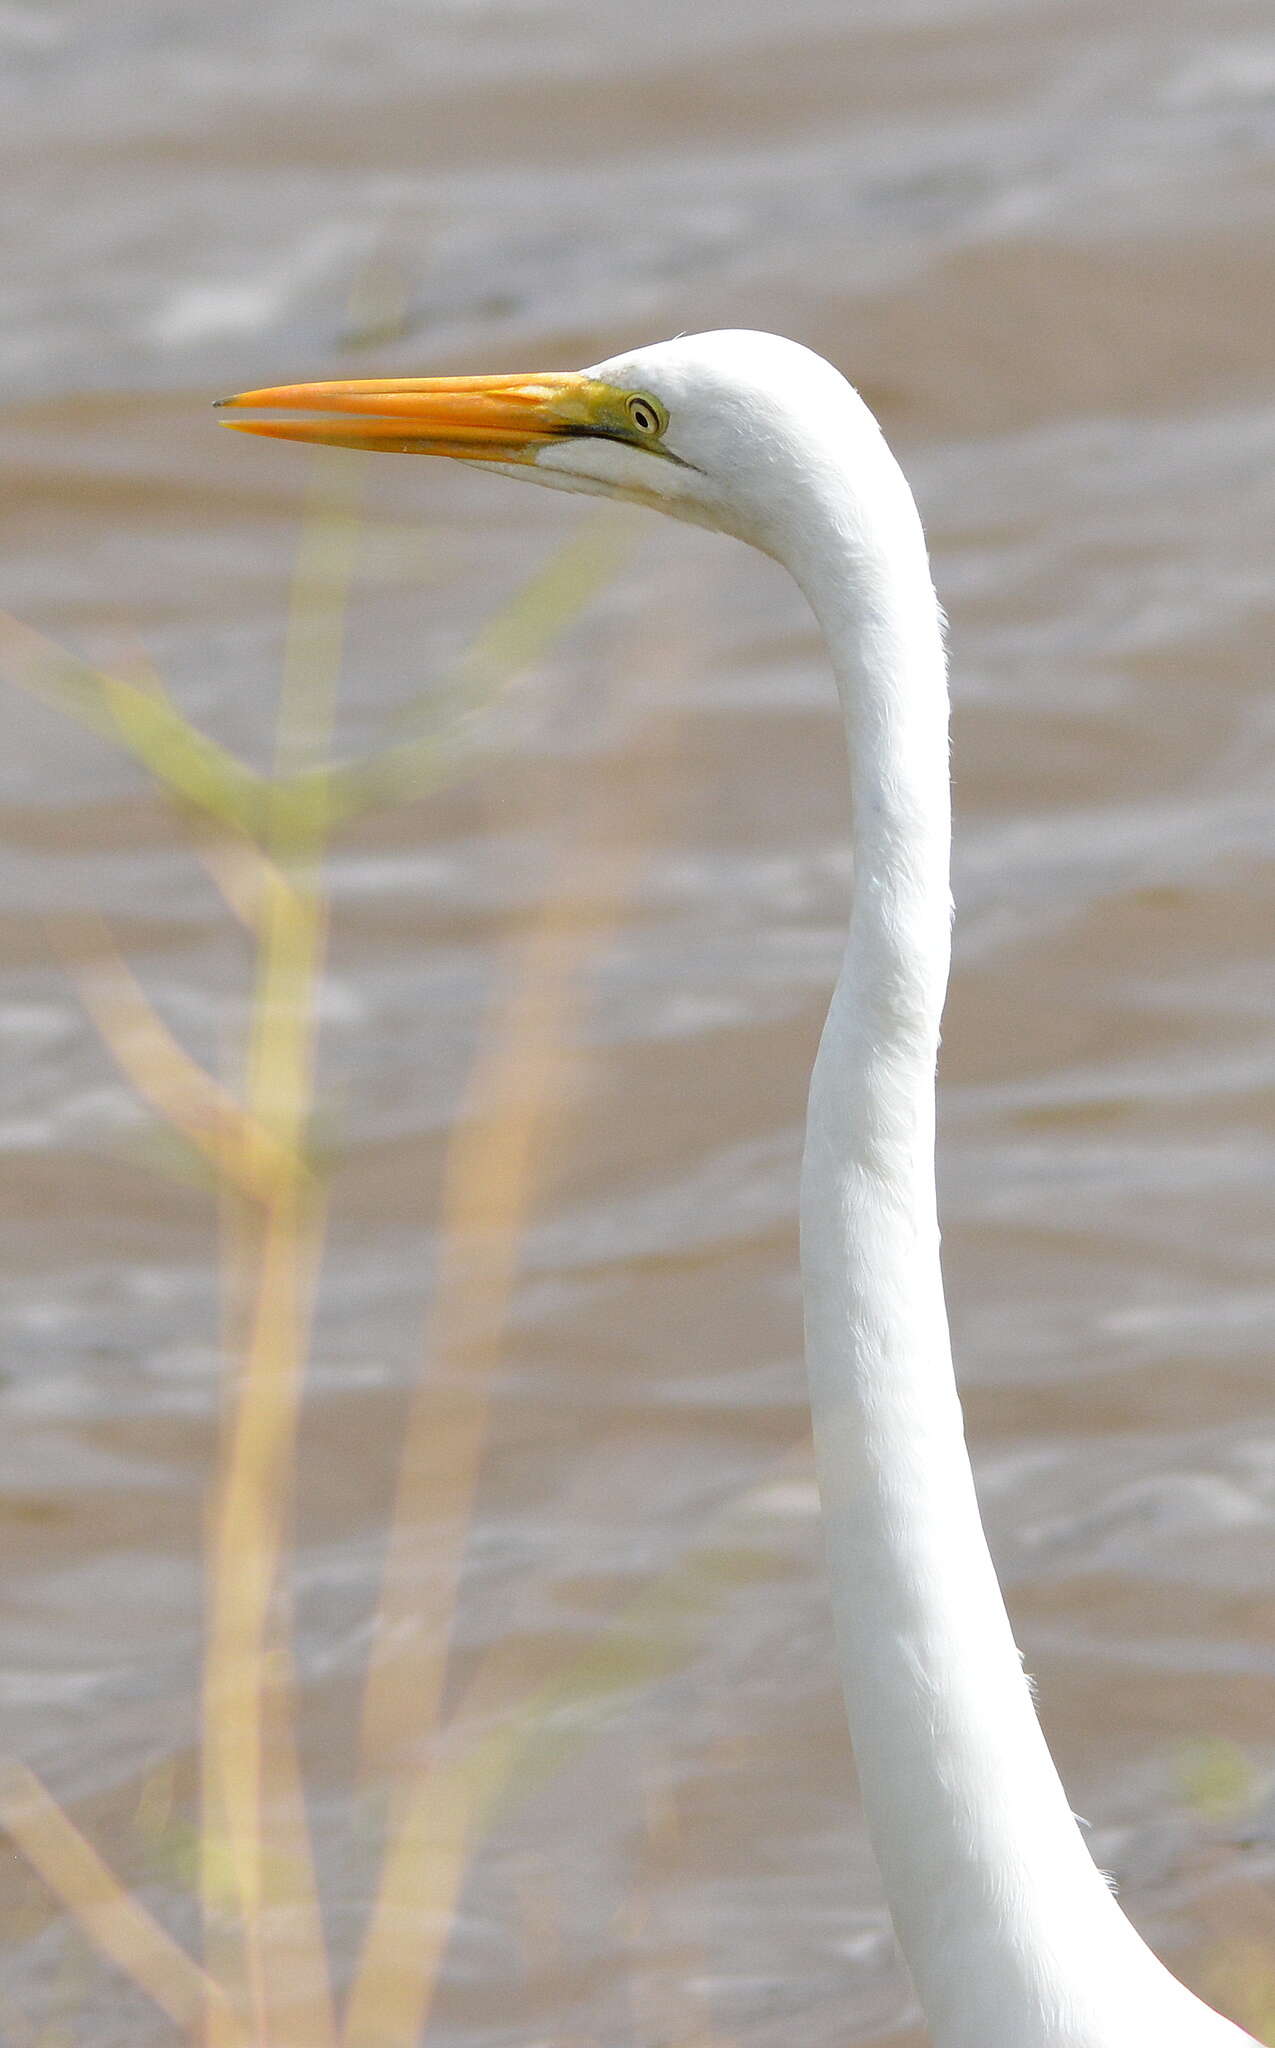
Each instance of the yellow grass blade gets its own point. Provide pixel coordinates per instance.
(276, 1957)
(225, 1948)
(415, 1908)
(183, 760)
(523, 631)
(299, 1999)
(245, 1688)
(161, 1072)
(506, 648)
(254, 1785)
(241, 873)
(236, 865)
(135, 713)
(119, 1927)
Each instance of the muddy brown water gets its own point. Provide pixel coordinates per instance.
(1042, 239)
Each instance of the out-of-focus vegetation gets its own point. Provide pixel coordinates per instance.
(264, 1974)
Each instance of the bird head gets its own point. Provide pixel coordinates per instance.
(719, 429)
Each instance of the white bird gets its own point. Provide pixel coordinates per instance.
(1013, 1937)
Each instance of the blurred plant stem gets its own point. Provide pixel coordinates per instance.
(248, 1676)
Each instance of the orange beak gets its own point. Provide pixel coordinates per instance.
(475, 419)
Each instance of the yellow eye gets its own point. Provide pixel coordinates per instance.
(646, 414)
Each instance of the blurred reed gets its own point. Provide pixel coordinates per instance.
(265, 1975)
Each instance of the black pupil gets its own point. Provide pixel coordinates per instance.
(643, 417)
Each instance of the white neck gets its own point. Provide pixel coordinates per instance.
(1013, 1938)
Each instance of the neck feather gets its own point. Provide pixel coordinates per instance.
(1011, 1934)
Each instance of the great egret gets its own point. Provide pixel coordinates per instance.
(1012, 1935)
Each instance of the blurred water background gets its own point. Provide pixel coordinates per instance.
(1041, 238)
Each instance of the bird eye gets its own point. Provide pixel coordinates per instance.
(645, 414)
